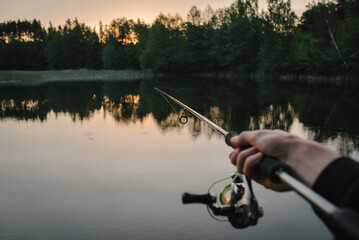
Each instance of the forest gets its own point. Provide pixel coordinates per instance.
(239, 38)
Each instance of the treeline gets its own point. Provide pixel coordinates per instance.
(324, 40)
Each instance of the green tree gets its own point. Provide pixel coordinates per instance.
(72, 46)
(123, 44)
(334, 30)
(196, 44)
(163, 51)
(349, 33)
(141, 36)
(275, 52)
(111, 57)
(54, 51)
(244, 36)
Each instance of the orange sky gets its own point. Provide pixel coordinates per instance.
(91, 11)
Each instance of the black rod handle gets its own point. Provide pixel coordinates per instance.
(268, 165)
(229, 137)
(344, 223)
(198, 198)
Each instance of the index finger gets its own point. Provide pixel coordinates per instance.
(247, 138)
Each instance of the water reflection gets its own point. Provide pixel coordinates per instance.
(327, 114)
(109, 160)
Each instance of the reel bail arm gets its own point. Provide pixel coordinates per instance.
(237, 203)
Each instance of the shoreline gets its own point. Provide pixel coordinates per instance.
(72, 75)
(18, 76)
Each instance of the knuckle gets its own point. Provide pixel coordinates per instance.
(242, 134)
(242, 155)
(278, 131)
(290, 137)
(260, 133)
(233, 161)
(246, 170)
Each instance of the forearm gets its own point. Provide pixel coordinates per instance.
(308, 159)
(339, 183)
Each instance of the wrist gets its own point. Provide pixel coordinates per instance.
(309, 159)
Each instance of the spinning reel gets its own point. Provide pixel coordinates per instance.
(237, 202)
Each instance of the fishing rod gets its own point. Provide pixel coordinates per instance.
(340, 220)
(237, 199)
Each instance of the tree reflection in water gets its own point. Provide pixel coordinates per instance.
(234, 105)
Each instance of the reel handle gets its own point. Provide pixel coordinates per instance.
(207, 199)
(268, 165)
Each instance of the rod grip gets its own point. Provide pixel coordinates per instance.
(268, 165)
(344, 223)
(198, 198)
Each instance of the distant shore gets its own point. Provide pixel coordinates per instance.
(72, 75)
(31, 77)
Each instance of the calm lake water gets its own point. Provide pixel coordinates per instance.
(109, 160)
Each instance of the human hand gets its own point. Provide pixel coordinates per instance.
(305, 158)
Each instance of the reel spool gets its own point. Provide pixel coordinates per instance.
(237, 202)
(225, 195)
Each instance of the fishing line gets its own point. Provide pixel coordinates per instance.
(209, 189)
(333, 109)
(169, 103)
(183, 119)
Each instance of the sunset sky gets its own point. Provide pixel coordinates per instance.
(92, 11)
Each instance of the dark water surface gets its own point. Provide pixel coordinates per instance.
(109, 160)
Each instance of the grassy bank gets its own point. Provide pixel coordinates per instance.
(338, 80)
(31, 77)
(72, 75)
